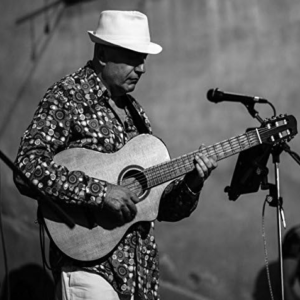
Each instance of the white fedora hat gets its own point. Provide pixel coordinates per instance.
(126, 29)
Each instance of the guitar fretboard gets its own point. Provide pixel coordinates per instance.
(276, 130)
(177, 167)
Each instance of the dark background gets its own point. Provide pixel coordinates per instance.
(243, 46)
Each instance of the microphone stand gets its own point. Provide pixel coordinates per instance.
(274, 198)
(42, 197)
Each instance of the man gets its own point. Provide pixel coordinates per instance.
(92, 109)
(291, 263)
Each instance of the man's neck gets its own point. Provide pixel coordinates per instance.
(119, 101)
(96, 66)
(98, 70)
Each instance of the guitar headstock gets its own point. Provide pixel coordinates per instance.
(278, 129)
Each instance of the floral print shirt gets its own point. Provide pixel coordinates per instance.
(75, 112)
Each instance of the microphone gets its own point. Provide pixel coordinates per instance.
(216, 96)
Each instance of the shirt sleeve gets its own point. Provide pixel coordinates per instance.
(48, 134)
(177, 202)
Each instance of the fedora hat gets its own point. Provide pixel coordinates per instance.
(126, 29)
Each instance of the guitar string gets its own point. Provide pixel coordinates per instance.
(227, 150)
(227, 147)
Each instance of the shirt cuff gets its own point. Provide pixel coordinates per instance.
(97, 191)
(189, 189)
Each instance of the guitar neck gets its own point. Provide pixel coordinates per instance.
(178, 167)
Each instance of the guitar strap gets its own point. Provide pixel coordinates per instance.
(137, 119)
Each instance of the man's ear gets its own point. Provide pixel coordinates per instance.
(101, 57)
(100, 53)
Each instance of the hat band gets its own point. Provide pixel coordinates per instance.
(122, 38)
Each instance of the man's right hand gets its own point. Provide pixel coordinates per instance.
(120, 202)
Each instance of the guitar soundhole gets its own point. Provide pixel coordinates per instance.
(134, 178)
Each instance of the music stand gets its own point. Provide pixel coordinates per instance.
(250, 171)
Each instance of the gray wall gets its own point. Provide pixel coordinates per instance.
(249, 47)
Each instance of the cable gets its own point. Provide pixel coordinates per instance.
(44, 260)
(273, 108)
(266, 250)
(42, 245)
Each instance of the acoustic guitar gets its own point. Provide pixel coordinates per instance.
(144, 166)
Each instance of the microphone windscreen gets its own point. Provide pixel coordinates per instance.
(210, 94)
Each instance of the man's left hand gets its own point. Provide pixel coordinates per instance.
(203, 167)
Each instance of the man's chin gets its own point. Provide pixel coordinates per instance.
(124, 89)
(130, 88)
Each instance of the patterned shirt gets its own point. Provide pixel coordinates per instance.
(75, 112)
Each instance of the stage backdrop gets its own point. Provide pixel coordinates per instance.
(249, 47)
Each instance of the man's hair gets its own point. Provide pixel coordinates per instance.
(98, 48)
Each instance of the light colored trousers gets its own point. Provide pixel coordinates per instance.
(80, 285)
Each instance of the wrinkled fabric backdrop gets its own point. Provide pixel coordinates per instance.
(248, 47)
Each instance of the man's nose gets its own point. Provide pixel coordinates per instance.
(140, 68)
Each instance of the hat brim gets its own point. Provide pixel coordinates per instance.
(148, 48)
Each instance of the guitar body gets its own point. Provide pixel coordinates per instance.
(94, 234)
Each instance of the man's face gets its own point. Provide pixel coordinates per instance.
(123, 69)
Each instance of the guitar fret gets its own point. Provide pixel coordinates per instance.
(231, 149)
(219, 151)
(176, 167)
(244, 144)
(185, 162)
(238, 140)
(159, 176)
(211, 151)
(234, 146)
(249, 139)
(226, 147)
(204, 151)
(149, 177)
(182, 165)
(223, 151)
(215, 153)
(153, 178)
